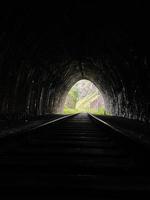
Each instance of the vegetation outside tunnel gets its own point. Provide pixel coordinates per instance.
(84, 97)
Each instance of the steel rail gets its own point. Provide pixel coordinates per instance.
(36, 127)
(126, 133)
(53, 121)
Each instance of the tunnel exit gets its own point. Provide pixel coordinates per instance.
(84, 97)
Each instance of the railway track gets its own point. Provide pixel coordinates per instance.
(74, 156)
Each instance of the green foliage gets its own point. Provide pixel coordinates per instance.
(101, 111)
(82, 98)
(72, 98)
(70, 111)
(74, 94)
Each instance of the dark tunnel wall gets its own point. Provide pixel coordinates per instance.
(42, 56)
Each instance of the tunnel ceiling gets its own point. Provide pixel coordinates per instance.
(45, 50)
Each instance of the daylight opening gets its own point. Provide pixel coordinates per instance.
(84, 96)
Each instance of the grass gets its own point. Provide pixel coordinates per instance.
(101, 111)
(70, 111)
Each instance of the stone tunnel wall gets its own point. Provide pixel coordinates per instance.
(37, 68)
(34, 90)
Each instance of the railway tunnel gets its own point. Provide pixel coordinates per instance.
(39, 66)
(45, 51)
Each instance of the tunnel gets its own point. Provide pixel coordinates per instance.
(45, 50)
(39, 90)
(38, 67)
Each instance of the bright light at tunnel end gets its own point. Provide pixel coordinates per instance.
(84, 97)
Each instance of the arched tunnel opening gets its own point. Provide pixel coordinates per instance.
(45, 53)
(84, 97)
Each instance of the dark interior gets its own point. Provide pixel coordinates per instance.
(45, 50)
